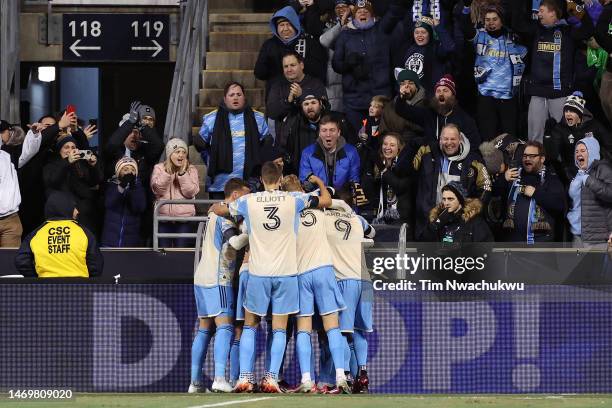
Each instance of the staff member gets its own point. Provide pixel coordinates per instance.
(60, 248)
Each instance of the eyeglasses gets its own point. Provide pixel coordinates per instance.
(531, 156)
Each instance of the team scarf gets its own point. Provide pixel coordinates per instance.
(535, 217)
(419, 7)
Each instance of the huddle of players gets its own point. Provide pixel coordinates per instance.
(300, 259)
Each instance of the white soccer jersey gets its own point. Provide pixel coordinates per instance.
(345, 234)
(312, 247)
(218, 260)
(272, 219)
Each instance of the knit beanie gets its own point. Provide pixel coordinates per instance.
(447, 81)
(124, 162)
(174, 144)
(458, 190)
(575, 103)
(402, 75)
(363, 4)
(427, 23)
(146, 110)
(4, 125)
(60, 143)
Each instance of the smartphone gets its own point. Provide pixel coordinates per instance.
(85, 154)
(70, 109)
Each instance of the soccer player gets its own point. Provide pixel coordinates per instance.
(214, 293)
(345, 233)
(317, 284)
(272, 218)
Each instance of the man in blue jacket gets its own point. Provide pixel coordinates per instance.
(330, 158)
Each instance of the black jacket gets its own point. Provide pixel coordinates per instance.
(561, 143)
(596, 203)
(472, 175)
(433, 123)
(468, 226)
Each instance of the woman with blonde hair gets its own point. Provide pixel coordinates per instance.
(175, 179)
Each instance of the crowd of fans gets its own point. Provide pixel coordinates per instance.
(468, 120)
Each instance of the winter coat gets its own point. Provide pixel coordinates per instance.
(269, 64)
(433, 123)
(334, 79)
(346, 166)
(9, 186)
(175, 187)
(397, 181)
(552, 53)
(82, 181)
(123, 211)
(146, 154)
(466, 168)
(392, 122)
(468, 226)
(561, 143)
(596, 203)
(362, 57)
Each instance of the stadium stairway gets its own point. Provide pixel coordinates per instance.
(235, 36)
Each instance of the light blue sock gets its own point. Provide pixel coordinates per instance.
(361, 348)
(336, 347)
(268, 345)
(304, 351)
(279, 338)
(247, 349)
(198, 354)
(223, 342)
(235, 360)
(353, 361)
(347, 353)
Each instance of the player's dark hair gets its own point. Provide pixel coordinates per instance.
(345, 193)
(234, 184)
(270, 172)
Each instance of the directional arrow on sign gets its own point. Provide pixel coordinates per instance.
(158, 48)
(76, 49)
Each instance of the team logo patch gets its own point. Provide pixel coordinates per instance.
(416, 63)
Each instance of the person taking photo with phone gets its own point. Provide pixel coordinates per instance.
(76, 172)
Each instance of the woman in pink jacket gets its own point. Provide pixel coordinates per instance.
(175, 179)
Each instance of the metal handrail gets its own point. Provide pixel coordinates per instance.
(157, 218)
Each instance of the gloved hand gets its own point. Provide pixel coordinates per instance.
(445, 217)
(127, 180)
(353, 59)
(134, 115)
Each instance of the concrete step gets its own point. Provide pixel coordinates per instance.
(237, 41)
(212, 97)
(239, 22)
(215, 5)
(231, 60)
(203, 110)
(217, 78)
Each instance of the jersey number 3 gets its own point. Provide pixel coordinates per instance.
(274, 222)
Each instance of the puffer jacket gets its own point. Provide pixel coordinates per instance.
(124, 208)
(174, 187)
(596, 203)
(346, 167)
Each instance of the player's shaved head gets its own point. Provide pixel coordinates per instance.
(270, 173)
(292, 183)
(234, 184)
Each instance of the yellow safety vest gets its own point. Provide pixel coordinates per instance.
(60, 250)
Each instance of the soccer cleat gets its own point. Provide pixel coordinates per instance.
(221, 386)
(360, 386)
(343, 387)
(284, 386)
(270, 386)
(195, 389)
(244, 385)
(308, 387)
(324, 388)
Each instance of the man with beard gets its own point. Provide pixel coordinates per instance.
(536, 199)
(577, 123)
(411, 92)
(443, 110)
(231, 136)
(330, 158)
(283, 99)
(498, 70)
(440, 162)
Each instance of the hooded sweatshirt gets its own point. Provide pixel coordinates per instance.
(574, 216)
(9, 186)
